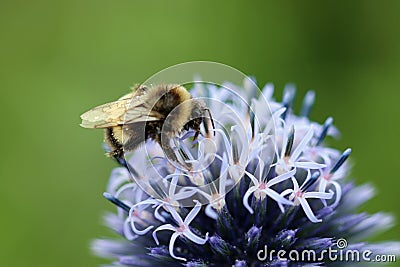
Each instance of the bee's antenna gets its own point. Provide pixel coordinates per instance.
(183, 155)
(117, 202)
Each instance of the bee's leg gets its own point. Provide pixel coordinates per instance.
(170, 152)
(185, 157)
(114, 143)
(206, 121)
(196, 135)
(163, 139)
(118, 155)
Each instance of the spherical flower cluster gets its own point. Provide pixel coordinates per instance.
(266, 180)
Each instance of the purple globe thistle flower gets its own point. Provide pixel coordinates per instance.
(275, 186)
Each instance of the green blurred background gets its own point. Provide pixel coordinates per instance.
(60, 58)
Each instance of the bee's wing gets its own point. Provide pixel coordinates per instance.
(123, 111)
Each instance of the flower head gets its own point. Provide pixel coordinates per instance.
(265, 178)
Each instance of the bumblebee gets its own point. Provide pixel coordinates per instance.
(158, 113)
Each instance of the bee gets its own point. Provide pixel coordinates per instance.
(158, 113)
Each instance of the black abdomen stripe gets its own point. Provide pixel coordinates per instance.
(112, 139)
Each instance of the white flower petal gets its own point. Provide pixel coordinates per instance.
(295, 185)
(236, 172)
(268, 91)
(160, 228)
(309, 165)
(253, 178)
(275, 118)
(128, 231)
(287, 192)
(210, 212)
(246, 198)
(123, 188)
(277, 197)
(281, 177)
(171, 247)
(238, 138)
(172, 186)
(174, 214)
(137, 231)
(196, 239)
(145, 203)
(204, 194)
(318, 195)
(223, 183)
(283, 194)
(226, 143)
(322, 187)
(158, 215)
(338, 193)
(308, 211)
(303, 144)
(184, 194)
(192, 214)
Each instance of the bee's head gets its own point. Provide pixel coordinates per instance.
(201, 114)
